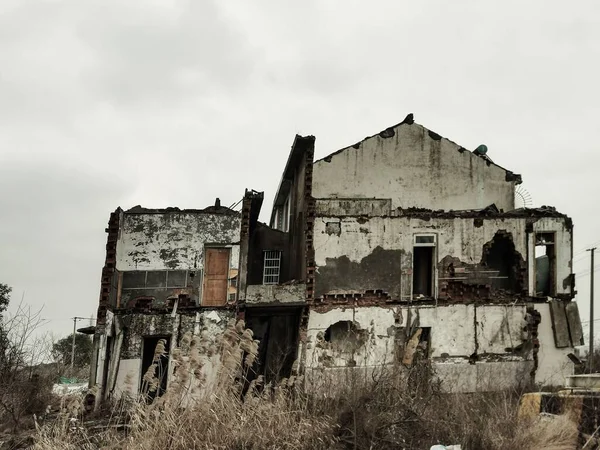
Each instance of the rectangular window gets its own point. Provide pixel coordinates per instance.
(424, 265)
(233, 282)
(545, 264)
(286, 215)
(176, 278)
(271, 267)
(231, 297)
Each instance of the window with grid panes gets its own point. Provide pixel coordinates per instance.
(271, 267)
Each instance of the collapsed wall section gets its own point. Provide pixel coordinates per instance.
(471, 347)
(448, 258)
(129, 348)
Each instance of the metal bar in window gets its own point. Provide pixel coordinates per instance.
(271, 268)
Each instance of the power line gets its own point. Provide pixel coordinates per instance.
(585, 248)
(585, 273)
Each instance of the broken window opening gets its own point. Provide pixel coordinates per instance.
(424, 265)
(150, 356)
(345, 336)
(272, 266)
(502, 257)
(286, 215)
(545, 264)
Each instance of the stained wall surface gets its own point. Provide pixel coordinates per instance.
(472, 348)
(358, 253)
(413, 167)
(174, 240)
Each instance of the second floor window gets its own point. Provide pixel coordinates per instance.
(271, 267)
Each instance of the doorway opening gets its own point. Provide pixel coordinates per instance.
(277, 331)
(155, 366)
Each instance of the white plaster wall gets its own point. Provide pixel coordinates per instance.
(500, 327)
(454, 337)
(452, 328)
(553, 363)
(378, 349)
(174, 240)
(413, 169)
(482, 376)
(128, 377)
(457, 237)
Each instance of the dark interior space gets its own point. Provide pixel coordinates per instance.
(109, 344)
(266, 239)
(345, 336)
(501, 256)
(148, 350)
(545, 264)
(423, 271)
(277, 331)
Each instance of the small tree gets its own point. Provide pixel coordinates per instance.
(22, 390)
(61, 350)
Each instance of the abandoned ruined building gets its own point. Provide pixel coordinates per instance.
(404, 245)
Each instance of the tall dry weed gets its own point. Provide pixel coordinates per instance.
(392, 408)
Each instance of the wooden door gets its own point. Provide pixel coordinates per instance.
(216, 271)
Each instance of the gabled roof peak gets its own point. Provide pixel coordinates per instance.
(410, 121)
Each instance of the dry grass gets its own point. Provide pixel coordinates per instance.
(393, 409)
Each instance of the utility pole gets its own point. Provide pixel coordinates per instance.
(75, 319)
(591, 351)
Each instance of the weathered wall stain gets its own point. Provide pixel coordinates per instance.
(380, 270)
(174, 240)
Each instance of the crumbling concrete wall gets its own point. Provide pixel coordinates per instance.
(174, 240)
(274, 294)
(209, 324)
(553, 366)
(414, 167)
(356, 254)
(472, 348)
(160, 256)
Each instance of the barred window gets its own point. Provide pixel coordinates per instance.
(271, 267)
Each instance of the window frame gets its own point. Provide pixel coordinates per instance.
(271, 256)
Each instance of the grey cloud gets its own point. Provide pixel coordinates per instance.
(52, 233)
(143, 56)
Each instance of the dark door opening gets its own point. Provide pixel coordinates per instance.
(150, 356)
(423, 271)
(109, 343)
(277, 330)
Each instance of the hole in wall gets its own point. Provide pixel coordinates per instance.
(501, 256)
(345, 336)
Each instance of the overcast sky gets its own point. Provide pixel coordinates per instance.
(172, 103)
